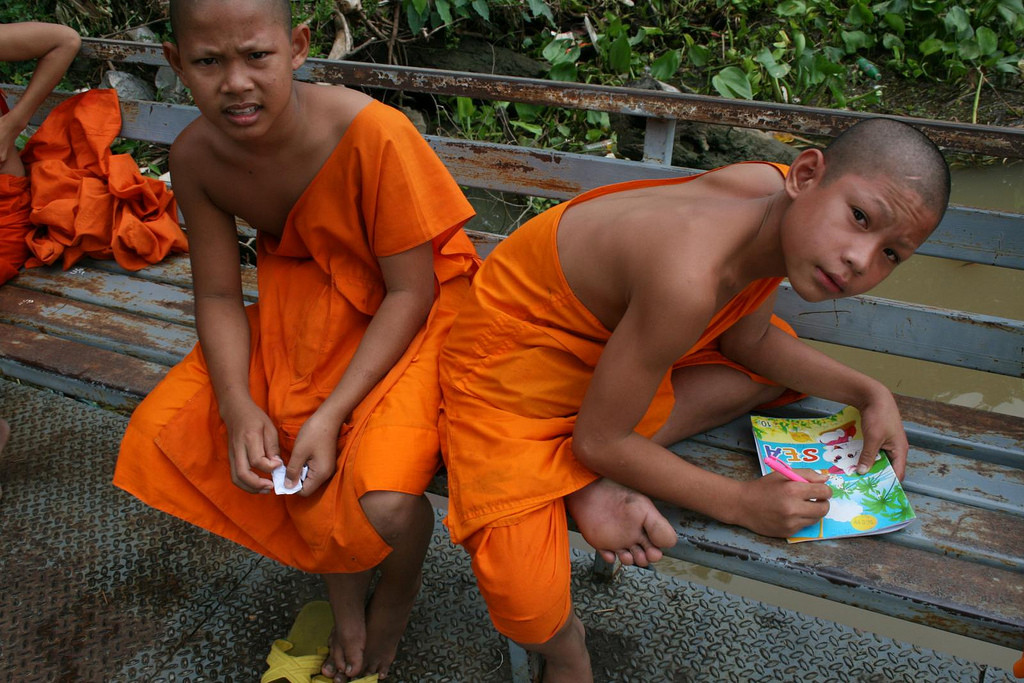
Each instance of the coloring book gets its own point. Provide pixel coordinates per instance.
(872, 503)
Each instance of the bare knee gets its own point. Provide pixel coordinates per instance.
(394, 514)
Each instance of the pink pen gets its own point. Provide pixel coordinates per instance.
(783, 469)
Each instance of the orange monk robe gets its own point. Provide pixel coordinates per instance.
(517, 365)
(90, 201)
(381, 192)
(15, 207)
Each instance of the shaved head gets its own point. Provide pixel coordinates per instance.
(895, 149)
(182, 11)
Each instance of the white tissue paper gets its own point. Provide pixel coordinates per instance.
(279, 486)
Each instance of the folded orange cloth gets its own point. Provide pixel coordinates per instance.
(88, 201)
(381, 192)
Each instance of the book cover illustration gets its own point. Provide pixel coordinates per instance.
(872, 503)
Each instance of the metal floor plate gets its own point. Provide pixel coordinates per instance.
(98, 587)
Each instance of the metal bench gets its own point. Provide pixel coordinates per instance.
(99, 333)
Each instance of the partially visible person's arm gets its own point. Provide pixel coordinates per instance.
(223, 328)
(409, 279)
(770, 352)
(55, 47)
(636, 358)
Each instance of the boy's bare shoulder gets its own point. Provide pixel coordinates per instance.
(742, 181)
(331, 107)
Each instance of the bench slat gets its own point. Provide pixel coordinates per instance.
(950, 543)
(153, 340)
(976, 341)
(76, 369)
(976, 434)
(115, 291)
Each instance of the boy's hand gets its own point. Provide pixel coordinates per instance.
(252, 445)
(316, 446)
(883, 429)
(775, 506)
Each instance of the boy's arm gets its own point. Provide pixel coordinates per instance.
(637, 357)
(222, 325)
(409, 279)
(55, 46)
(756, 344)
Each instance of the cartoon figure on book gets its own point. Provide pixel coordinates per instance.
(638, 314)
(331, 379)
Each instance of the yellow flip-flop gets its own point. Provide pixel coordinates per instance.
(298, 658)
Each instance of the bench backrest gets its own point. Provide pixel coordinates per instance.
(978, 342)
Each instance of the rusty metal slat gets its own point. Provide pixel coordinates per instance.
(949, 570)
(175, 271)
(975, 434)
(993, 615)
(993, 140)
(153, 340)
(120, 292)
(76, 369)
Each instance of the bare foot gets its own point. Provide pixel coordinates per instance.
(347, 593)
(386, 620)
(619, 522)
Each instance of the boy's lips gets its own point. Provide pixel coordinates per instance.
(833, 283)
(242, 113)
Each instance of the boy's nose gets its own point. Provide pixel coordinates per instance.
(858, 256)
(236, 79)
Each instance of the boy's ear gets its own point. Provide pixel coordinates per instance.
(300, 45)
(173, 58)
(807, 169)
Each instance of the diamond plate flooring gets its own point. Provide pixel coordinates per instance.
(98, 587)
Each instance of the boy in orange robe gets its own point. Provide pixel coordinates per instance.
(636, 315)
(362, 262)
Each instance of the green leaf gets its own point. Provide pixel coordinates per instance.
(666, 66)
(799, 43)
(733, 82)
(895, 22)
(414, 18)
(443, 10)
(766, 59)
(988, 41)
(619, 55)
(562, 51)
(958, 23)
(420, 6)
(856, 40)
(969, 49)
(528, 112)
(791, 8)
(931, 46)
(566, 72)
(699, 55)
(464, 108)
(533, 128)
(539, 8)
(860, 15)
(483, 9)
